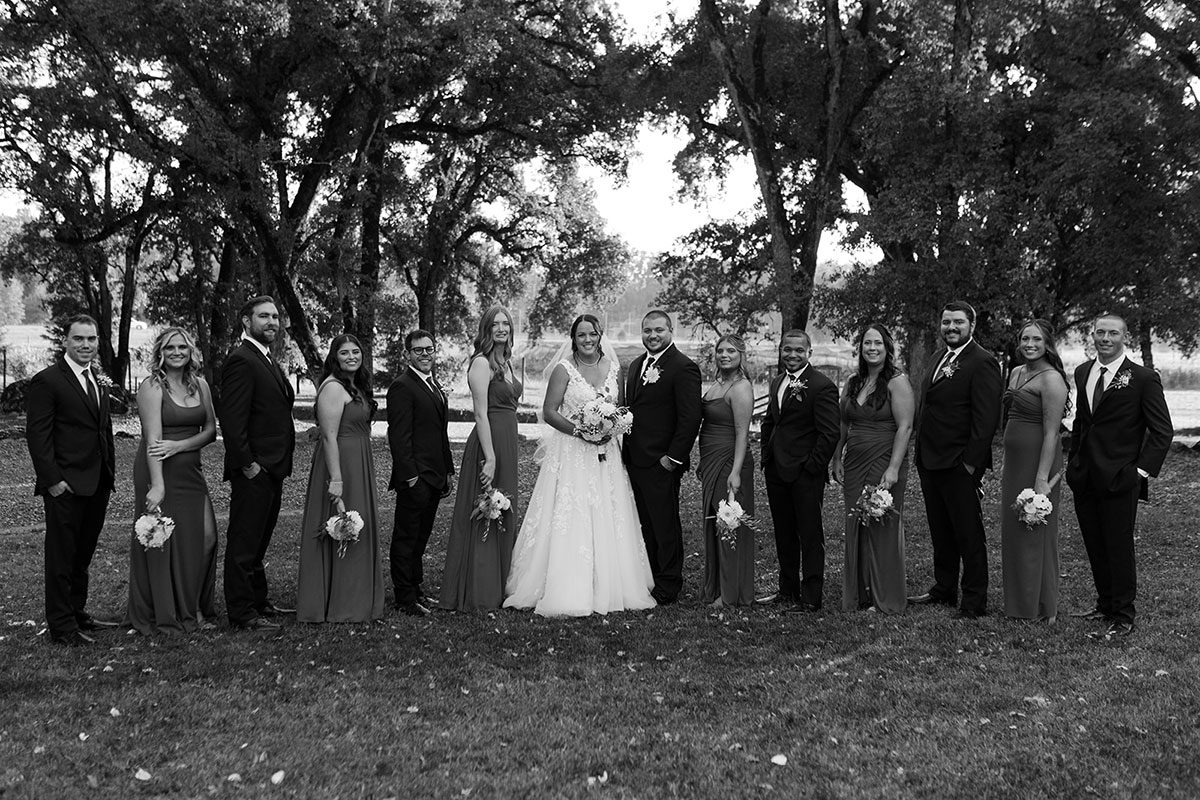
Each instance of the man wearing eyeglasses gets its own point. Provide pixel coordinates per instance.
(422, 470)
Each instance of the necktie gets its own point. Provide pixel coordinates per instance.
(945, 362)
(1098, 391)
(437, 392)
(650, 362)
(93, 395)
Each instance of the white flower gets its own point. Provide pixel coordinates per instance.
(153, 530)
(651, 375)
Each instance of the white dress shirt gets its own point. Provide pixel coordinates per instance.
(80, 370)
(262, 348)
(785, 385)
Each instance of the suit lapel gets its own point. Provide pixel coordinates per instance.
(272, 367)
(73, 379)
(1124, 365)
(438, 397)
(633, 381)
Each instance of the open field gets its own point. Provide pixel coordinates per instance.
(680, 702)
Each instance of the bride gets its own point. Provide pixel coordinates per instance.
(580, 549)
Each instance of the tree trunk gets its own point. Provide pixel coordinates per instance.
(1146, 343)
(368, 273)
(223, 326)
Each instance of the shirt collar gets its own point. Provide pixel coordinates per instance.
(798, 374)
(1113, 368)
(261, 348)
(77, 368)
(655, 357)
(956, 352)
(425, 376)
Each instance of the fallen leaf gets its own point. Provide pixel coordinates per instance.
(1160, 673)
(234, 777)
(277, 778)
(113, 712)
(107, 668)
(779, 760)
(1038, 700)
(37, 751)
(142, 775)
(412, 709)
(83, 737)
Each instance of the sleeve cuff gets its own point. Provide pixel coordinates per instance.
(1143, 473)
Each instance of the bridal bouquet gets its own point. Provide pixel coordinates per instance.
(153, 530)
(1032, 508)
(873, 505)
(730, 516)
(489, 505)
(600, 420)
(344, 528)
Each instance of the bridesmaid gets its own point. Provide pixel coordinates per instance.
(1034, 403)
(877, 421)
(726, 470)
(347, 588)
(171, 589)
(477, 569)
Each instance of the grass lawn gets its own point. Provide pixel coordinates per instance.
(679, 702)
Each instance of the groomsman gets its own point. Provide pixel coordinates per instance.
(662, 389)
(1121, 435)
(957, 415)
(799, 434)
(422, 470)
(69, 433)
(256, 420)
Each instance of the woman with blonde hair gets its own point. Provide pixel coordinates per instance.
(171, 588)
(479, 553)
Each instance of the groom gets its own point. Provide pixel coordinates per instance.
(69, 433)
(1120, 439)
(256, 421)
(662, 389)
(957, 416)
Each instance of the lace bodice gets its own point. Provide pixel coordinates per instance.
(579, 391)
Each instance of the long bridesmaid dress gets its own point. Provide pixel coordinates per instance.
(171, 589)
(874, 566)
(1029, 558)
(728, 570)
(349, 588)
(477, 569)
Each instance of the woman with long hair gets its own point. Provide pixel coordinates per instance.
(336, 583)
(1035, 402)
(877, 421)
(580, 550)
(171, 588)
(478, 553)
(726, 471)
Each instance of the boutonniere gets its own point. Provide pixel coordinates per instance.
(103, 381)
(950, 368)
(796, 389)
(1122, 379)
(651, 375)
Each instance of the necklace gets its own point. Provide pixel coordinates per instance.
(579, 360)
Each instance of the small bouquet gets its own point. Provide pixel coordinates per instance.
(153, 530)
(489, 505)
(344, 528)
(600, 420)
(1032, 508)
(730, 516)
(873, 505)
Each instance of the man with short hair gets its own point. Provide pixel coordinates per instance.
(422, 469)
(799, 435)
(1120, 438)
(957, 416)
(69, 433)
(255, 411)
(662, 389)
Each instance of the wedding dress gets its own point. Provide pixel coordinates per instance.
(580, 548)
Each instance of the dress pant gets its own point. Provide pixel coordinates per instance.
(799, 536)
(1106, 522)
(416, 509)
(73, 525)
(656, 494)
(952, 506)
(253, 511)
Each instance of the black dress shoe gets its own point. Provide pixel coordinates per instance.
(414, 610)
(88, 623)
(1094, 614)
(272, 610)
(257, 624)
(967, 613)
(663, 598)
(72, 639)
(777, 599)
(928, 599)
(802, 608)
(1120, 627)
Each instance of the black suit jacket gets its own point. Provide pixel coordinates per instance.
(666, 413)
(957, 416)
(255, 411)
(69, 439)
(417, 432)
(800, 436)
(1129, 429)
